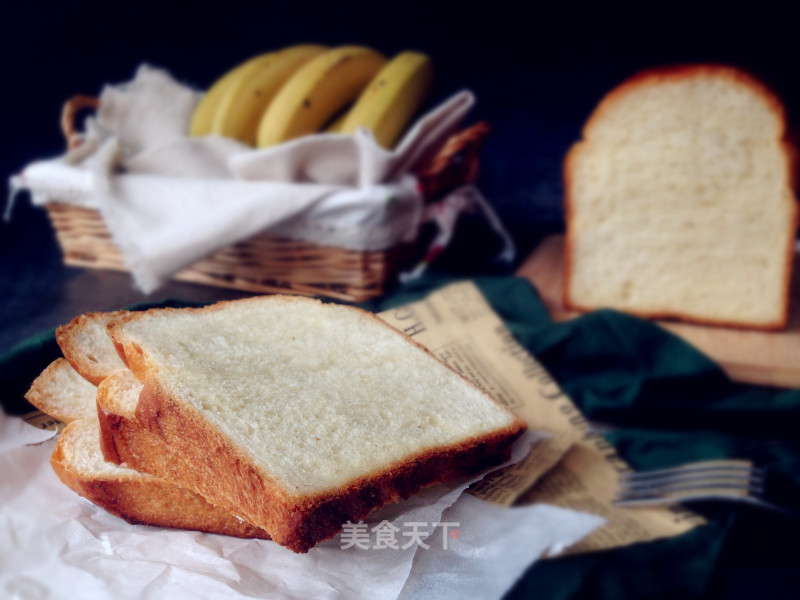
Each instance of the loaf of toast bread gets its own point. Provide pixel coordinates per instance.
(680, 201)
(299, 416)
(61, 392)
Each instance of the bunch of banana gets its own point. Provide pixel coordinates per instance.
(300, 90)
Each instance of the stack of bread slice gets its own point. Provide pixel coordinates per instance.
(277, 417)
(78, 460)
(680, 201)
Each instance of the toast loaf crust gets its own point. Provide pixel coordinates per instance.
(668, 73)
(790, 151)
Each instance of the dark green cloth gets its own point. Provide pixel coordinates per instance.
(668, 403)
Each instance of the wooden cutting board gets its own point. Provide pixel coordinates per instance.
(747, 356)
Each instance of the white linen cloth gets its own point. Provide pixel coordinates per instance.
(170, 200)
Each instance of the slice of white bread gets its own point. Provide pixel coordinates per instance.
(136, 497)
(87, 347)
(299, 415)
(61, 393)
(680, 201)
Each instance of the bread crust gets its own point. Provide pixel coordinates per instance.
(134, 497)
(148, 501)
(67, 337)
(209, 463)
(191, 452)
(790, 151)
(121, 442)
(668, 73)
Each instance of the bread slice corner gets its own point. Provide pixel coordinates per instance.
(84, 343)
(61, 393)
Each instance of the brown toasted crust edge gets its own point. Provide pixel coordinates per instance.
(226, 477)
(121, 441)
(792, 158)
(112, 435)
(150, 501)
(677, 72)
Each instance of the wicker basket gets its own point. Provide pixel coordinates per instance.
(266, 263)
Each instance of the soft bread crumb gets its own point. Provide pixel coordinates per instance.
(119, 393)
(81, 447)
(61, 393)
(317, 395)
(88, 348)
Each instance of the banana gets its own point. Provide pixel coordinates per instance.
(203, 115)
(245, 99)
(317, 91)
(392, 98)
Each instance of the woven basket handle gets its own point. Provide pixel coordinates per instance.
(456, 163)
(68, 114)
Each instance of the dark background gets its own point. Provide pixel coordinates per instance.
(537, 68)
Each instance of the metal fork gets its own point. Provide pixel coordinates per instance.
(730, 480)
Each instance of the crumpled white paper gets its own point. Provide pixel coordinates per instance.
(170, 200)
(16, 432)
(54, 544)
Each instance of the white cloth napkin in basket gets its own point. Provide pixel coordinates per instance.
(170, 200)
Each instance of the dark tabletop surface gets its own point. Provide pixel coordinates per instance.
(537, 70)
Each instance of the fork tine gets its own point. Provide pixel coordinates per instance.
(681, 493)
(694, 480)
(709, 467)
(656, 499)
(721, 478)
(731, 480)
(681, 487)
